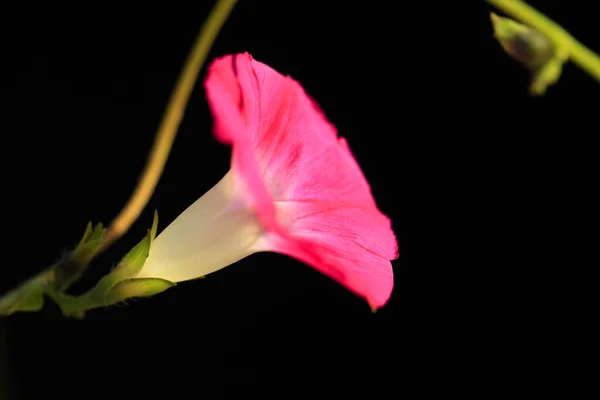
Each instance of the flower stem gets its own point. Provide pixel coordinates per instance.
(170, 122)
(577, 52)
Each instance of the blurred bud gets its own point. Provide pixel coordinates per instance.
(70, 268)
(524, 44)
(533, 50)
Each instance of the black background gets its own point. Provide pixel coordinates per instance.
(437, 116)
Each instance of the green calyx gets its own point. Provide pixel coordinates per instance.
(117, 286)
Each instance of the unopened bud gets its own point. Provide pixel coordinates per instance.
(532, 49)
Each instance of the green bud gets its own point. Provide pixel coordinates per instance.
(532, 49)
(524, 44)
(546, 76)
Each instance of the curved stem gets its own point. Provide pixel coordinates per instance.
(170, 122)
(577, 52)
(42, 283)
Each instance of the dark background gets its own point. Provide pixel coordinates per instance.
(464, 161)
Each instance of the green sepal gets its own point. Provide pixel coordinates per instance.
(77, 306)
(133, 262)
(154, 227)
(130, 288)
(88, 231)
(71, 267)
(119, 285)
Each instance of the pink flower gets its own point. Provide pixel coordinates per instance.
(294, 188)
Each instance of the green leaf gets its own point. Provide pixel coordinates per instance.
(133, 262)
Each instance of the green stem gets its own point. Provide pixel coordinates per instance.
(170, 122)
(74, 306)
(37, 284)
(576, 51)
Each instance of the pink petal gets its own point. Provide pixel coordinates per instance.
(232, 111)
(302, 180)
(351, 245)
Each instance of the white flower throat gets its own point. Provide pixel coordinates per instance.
(215, 231)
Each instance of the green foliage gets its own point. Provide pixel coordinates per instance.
(120, 284)
(117, 286)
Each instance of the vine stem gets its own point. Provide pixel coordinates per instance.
(577, 52)
(170, 122)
